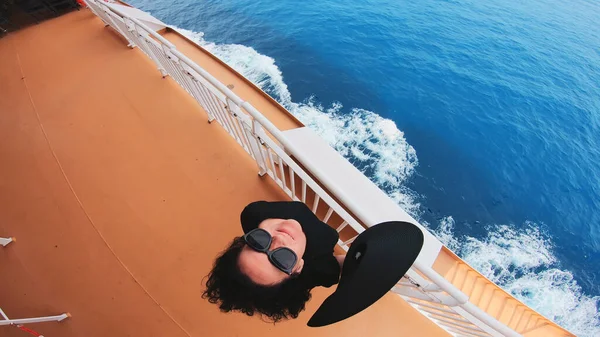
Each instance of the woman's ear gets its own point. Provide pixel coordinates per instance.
(298, 267)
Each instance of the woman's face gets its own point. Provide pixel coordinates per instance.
(285, 233)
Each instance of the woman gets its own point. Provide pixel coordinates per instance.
(285, 252)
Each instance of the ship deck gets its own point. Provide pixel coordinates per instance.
(121, 194)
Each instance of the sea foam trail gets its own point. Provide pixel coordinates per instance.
(521, 262)
(372, 143)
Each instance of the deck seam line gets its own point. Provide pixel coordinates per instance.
(79, 201)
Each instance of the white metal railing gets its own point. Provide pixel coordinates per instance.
(4, 320)
(5, 241)
(425, 289)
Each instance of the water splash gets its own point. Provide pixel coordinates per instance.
(372, 143)
(523, 263)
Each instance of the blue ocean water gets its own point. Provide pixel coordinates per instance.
(481, 118)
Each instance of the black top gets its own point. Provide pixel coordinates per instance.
(320, 266)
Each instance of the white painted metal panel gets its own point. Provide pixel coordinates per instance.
(343, 179)
(132, 12)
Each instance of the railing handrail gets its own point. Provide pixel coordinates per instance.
(462, 300)
(208, 77)
(152, 32)
(429, 272)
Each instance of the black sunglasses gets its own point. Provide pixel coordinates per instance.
(282, 258)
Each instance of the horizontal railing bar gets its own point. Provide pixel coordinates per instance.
(434, 306)
(441, 314)
(56, 318)
(466, 333)
(469, 327)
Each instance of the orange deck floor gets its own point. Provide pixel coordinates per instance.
(120, 194)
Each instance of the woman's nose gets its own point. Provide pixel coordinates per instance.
(277, 241)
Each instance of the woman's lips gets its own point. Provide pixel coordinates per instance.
(286, 232)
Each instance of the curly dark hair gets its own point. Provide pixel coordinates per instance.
(232, 290)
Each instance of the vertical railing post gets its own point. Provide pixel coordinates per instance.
(92, 6)
(194, 87)
(131, 31)
(184, 73)
(202, 99)
(114, 25)
(143, 36)
(253, 131)
(96, 9)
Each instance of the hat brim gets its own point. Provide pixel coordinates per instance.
(376, 261)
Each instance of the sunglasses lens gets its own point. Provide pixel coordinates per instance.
(284, 258)
(259, 239)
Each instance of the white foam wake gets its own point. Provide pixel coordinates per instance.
(372, 143)
(521, 262)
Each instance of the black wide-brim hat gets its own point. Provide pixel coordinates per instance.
(376, 261)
